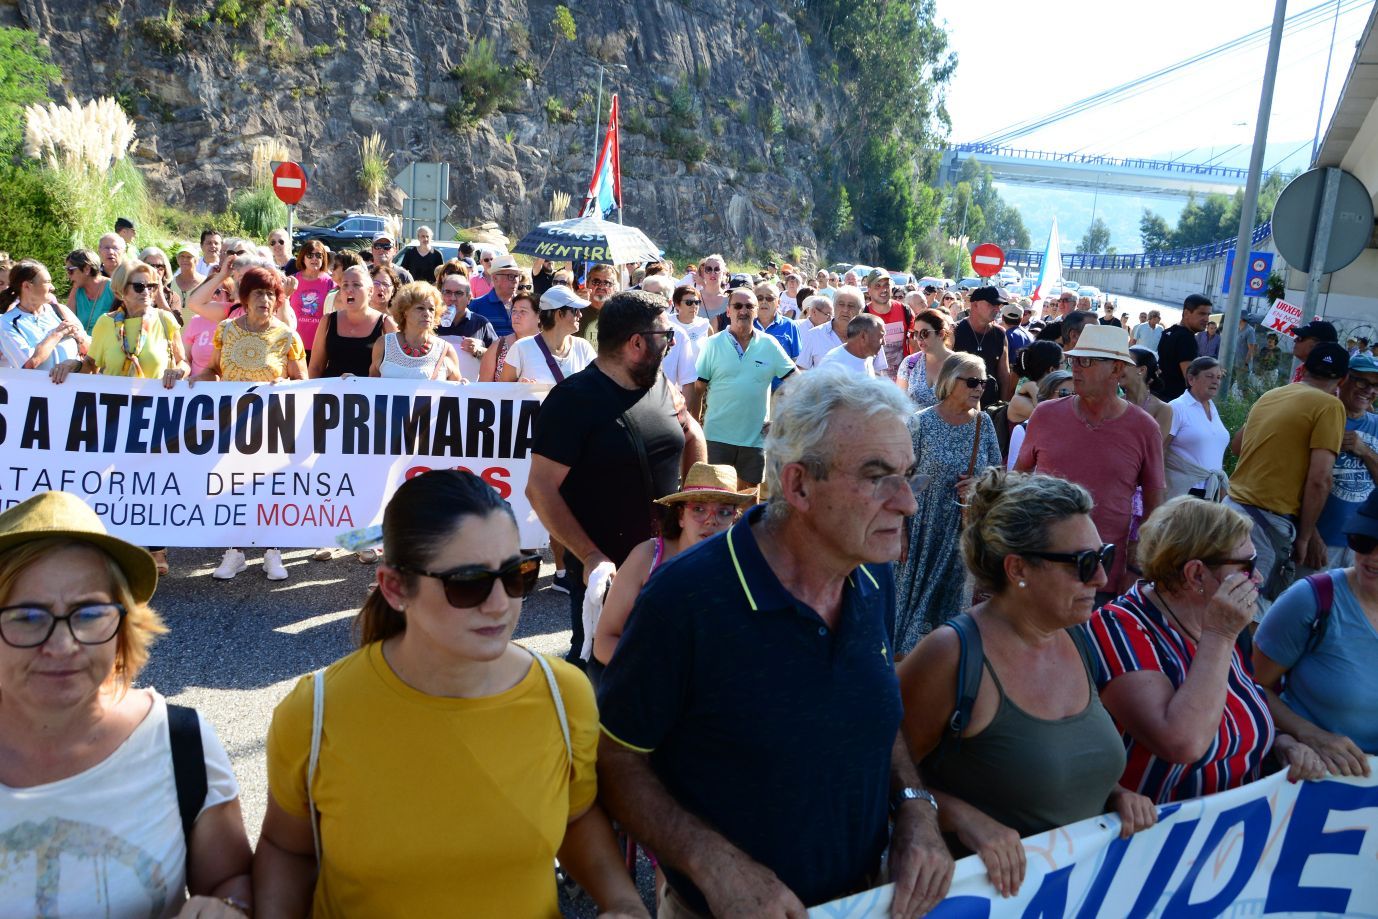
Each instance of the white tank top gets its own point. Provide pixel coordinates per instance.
(399, 365)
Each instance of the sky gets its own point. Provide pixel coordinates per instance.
(1018, 60)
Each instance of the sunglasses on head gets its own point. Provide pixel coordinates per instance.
(1086, 562)
(1361, 544)
(466, 588)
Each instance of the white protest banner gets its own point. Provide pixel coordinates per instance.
(1284, 317)
(243, 464)
(1268, 849)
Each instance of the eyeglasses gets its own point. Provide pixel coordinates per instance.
(139, 287)
(976, 382)
(1360, 383)
(668, 333)
(949, 299)
(1087, 561)
(313, 255)
(600, 282)
(382, 245)
(711, 269)
(525, 287)
(1084, 362)
(466, 588)
(31, 626)
(1361, 544)
(767, 299)
(706, 512)
(1063, 392)
(382, 285)
(451, 292)
(742, 305)
(278, 242)
(1250, 563)
(688, 302)
(71, 269)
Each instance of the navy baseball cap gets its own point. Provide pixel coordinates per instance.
(1328, 361)
(1318, 329)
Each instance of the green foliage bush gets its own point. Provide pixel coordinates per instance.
(259, 211)
(485, 86)
(26, 71)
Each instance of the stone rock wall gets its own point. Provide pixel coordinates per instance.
(733, 75)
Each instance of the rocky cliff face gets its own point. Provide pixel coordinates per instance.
(722, 109)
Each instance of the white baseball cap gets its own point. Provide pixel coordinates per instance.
(561, 297)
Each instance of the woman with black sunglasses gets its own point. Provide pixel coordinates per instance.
(928, 341)
(953, 441)
(1322, 635)
(1034, 749)
(446, 759)
(1174, 665)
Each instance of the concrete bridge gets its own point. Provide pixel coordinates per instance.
(1136, 176)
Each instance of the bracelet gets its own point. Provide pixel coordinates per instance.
(238, 904)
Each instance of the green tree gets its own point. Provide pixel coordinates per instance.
(26, 72)
(1006, 226)
(1097, 238)
(840, 221)
(561, 31)
(1154, 232)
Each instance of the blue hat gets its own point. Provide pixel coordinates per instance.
(1362, 363)
(1364, 520)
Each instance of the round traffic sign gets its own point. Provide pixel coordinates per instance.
(289, 182)
(1296, 219)
(1255, 283)
(987, 259)
(1259, 265)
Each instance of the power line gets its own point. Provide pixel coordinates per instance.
(1306, 19)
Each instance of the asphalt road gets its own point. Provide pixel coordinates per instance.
(236, 647)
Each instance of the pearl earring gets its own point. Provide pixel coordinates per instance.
(1022, 584)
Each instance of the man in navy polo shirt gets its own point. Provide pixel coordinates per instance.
(751, 713)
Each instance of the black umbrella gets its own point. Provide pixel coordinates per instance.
(588, 239)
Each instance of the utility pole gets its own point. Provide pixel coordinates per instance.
(1230, 333)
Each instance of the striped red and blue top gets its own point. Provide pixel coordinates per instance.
(1132, 634)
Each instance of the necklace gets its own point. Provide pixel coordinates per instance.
(420, 350)
(1196, 639)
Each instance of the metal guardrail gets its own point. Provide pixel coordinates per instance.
(1033, 258)
(1083, 159)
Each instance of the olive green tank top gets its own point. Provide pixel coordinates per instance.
(1033, 774)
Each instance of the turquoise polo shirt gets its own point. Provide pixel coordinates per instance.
(739, 386)
(757, 717)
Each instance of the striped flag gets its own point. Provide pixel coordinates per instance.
(604, 197)
(1050, 272)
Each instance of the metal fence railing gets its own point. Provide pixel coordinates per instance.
(1033, 258)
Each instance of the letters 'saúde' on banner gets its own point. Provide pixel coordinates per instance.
(242, 464)
(1271, 848)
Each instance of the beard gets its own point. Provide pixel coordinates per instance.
(644, 374)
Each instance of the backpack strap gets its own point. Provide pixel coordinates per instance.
(559, 703)
(317, 723)
(188, 765)
(1323, 585)
(970, 655)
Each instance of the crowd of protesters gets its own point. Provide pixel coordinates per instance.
(984, 573)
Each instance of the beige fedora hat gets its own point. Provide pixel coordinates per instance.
(1103, 341)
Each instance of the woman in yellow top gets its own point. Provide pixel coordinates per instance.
(257, 347)
(136, 339)
(453, 765)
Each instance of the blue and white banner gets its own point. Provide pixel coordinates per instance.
(253, 464)
(1268, 849)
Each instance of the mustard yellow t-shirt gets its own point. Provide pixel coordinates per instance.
(432, 806)
(255, 357)
(1284, 426)
(153, 357)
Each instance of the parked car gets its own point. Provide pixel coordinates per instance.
(972, 283)
(1009, 276)
(940, 283)
(348, 231)
(901, 278)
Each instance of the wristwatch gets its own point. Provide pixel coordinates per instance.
(911, 794)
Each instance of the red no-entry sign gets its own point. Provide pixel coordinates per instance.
(289, 182)
(987, 259)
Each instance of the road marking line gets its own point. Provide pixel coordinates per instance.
(314, 622)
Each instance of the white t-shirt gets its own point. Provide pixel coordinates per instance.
(858, 365)
(789, 306)
(815, 344)
(1201, 440)
(526, 358)
(681, 363)
(116, 827)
